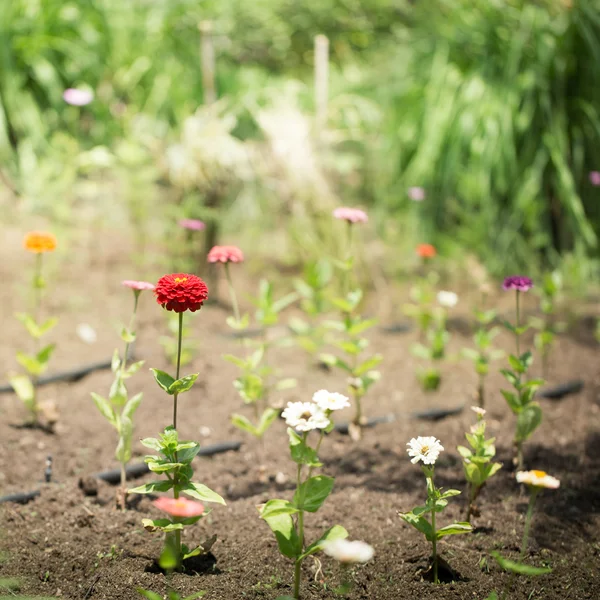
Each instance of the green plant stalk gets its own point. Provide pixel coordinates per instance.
(434, 540)
(232, 294)
(37, 315)
(518, 334)
(519, 443)
(300, 527)
(177, 532)
(481, 391)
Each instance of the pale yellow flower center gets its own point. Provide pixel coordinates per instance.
(180, 279)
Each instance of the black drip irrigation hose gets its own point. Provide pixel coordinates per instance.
(437, 414)
(561, 391)
(132, 471)
(343, 428)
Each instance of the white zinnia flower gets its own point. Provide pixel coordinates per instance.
(330, 400)
(305, 416)
(447, 299)
(426, 449)
(480, 412)
(538, 479)
(349, 552)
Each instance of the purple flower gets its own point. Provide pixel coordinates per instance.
(517, 282)
(595, 178)
(77, 97)
(192, 224)
(417, 194)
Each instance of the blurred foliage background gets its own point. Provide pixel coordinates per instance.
(491, 106)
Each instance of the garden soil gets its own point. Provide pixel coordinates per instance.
(68, 544)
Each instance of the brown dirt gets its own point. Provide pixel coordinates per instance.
(60, 544)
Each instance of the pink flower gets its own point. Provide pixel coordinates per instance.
(225, 254)
(76, 97)
(595, 178)
(517, 282)
(417, 194)
(351, 215)
(180, 507)
(192, 224)
(138, 286)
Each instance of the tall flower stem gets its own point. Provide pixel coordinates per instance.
(177, 532)
(300, 525)
(518, 333)
(518, 443)
(434, 540)
(481, 391)
(232, 294)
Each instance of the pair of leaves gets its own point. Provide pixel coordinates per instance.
(198, 491)
(266, 420)
(36, 365)
(424, 526)
(171, 385)
(36, 331)
(301, 452)
(23, 387)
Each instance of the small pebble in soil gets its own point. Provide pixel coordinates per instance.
(89, 486)
(205, 431)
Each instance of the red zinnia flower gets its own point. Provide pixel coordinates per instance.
(225, 254)
(426, 250)
(180, 292)
(180, 507)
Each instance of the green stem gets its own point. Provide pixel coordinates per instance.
(346, 279)
(434, 540)
(518, 335)
(179, 338)
(123, 486)
(481, 391)
(232, 295)
(528, 518)
(136, 296)
(299, 527)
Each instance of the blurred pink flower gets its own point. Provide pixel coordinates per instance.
(225, 254)
(180, 507)
(595, 178)
(351, 215)
(417, 194)
(192, 224)
(138, 286)
(517, 282)
(76, 97)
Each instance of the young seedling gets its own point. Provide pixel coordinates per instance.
(536, 481)
(438, 337)
(119, 409)
(483, 353)
(547, 326)
(36, 363)
(477, 460)
(178, 292)
(521, 402)
(253, 384)
(310, 333)
(286, 518)
(350, 326)
(427, 450)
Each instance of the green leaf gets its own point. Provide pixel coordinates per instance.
(274, 508)
(105, 408)
(286, 384)
(334, 361)
(115, 362)
(163, 379)
(134, 368)
(238, 362)
(238, 325)
(512, 400)
(123, 451)
(368, 365)
(43, 356)
(118, 392)
(150, 488)
(419, 523)
(516, 364)
(302, 454)
(361, 326)
(243, 423)
(161, 465)
(186, 452)
(337, 532)
(282, 525)
(454, 529)
(23, 387)
(266, 420)
(511, 377)
(183, 385)
(147, 593)
(131, 406)
(313, 492)
(520, 568)
(152, 443)
(195, 595)
(201, 492)
(127, 336)
(528, 420)
(165, 525)
(30, 364)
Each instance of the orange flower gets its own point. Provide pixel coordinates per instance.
(39, 241)
(426, 250)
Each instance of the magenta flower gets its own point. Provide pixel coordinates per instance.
(416, 194)
(517, 282)
(138, 286)
(595, 178)
(351, 215)
(76, 97)
(192, 224)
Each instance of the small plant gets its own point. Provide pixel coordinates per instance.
(350, 326)
(253, 384)
(310, 334)
(547, 327)
(427, 450)
(119, 409)
(178, 292)
(477, 460)
(521, 402)
(536, 481)
(348, 553)
(438, 337)
(286, 518)
(36, 363)
(483, 353)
